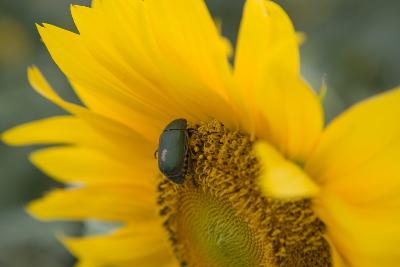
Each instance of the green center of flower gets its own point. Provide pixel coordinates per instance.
(219, 218)
(212, 235)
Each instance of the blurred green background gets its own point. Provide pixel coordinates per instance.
(354, 44)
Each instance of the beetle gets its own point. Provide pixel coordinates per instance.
(173, 151)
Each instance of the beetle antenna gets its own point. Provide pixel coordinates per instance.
(155, 154)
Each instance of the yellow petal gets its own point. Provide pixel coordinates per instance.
(194, 58)
(265, 29)
(97, 86)
(139, 74)
(192, 38)
(103, 201)
(122, 42)
(126, 141)
(357, 156)
(55, 130)
(364, 236)
(126, 31)
(130, 69)
(131, 53)
(337, 259)
(356, 165)
(280, 106)
(137, 244)
(79, 164)
(281, 178)
(131, 50)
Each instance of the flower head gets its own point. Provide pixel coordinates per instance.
(261, 181)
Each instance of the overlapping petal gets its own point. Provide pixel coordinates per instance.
(280, 106)
(99, 89)
(363, 235)
(134, 245)
(102, 201)
(357, 156)
(86, 165)
(357, 166)
(282, 178)
(137, 76)
(124, 140)
(54, 130)
(194, 56)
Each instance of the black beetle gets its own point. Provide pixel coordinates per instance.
(173, 151)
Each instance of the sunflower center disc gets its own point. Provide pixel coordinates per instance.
(219, 218)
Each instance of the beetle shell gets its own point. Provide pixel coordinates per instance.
(173, 151)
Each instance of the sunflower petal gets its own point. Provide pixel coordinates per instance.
(357, 156)
(133, 39)
(337, 259)
(124, 138)
(108, 202)
(194, 35)
(281, 107)
(131, 47)
(266, 29)
(356, 165)
(55, 130)
(79, 164)
(132, 77)
(364, 236)
(194, 56)
(134, 244)
(281, 178)
(97, 87)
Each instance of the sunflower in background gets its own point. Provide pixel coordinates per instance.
(266, 184)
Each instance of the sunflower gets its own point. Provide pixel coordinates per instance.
(262, 181)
